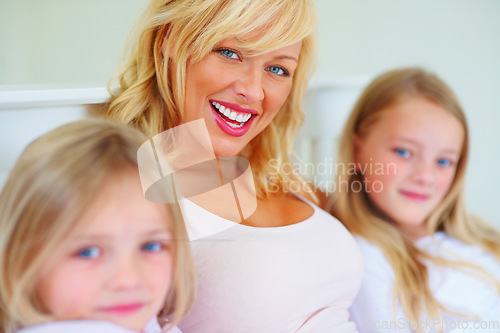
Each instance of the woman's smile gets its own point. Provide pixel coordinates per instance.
(231, 118)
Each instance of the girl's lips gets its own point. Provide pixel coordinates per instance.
(122, 309)
(414, 195)
(224, 122)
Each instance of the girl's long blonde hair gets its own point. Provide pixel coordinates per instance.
(145, 98)
(355, 210)
(52, 184)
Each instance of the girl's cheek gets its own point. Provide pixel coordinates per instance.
(446, 182)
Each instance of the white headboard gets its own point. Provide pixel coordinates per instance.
(327, 106)
(26, 114)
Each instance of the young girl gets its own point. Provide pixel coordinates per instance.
(78, 240)
(429, 266)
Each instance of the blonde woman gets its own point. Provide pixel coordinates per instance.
(78, 240)
(429, 265)
(243, 68)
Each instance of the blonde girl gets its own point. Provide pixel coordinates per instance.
(429, 265)
(79, 241)
(243, 66)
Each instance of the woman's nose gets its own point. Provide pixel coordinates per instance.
(249, 86)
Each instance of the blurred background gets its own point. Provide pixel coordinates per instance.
(66, 43)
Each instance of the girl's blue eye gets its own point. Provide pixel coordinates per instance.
(444, 162)
(278, 70)
(403, 152)
(90, 252)
(230, 54)
(152, 246)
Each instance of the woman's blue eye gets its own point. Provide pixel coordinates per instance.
(403, 152)
(89, 252)
(278, 71)
(152, 246)
(228, 53)
(444, 162)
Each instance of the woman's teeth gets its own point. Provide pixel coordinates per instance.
(242, 118)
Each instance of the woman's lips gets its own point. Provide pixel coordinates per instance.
(231, 118)
(122, 309)
(414, 195)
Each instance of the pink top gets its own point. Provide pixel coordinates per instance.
(297, 278)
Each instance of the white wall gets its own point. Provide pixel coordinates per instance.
(81, 42)
(63, 41)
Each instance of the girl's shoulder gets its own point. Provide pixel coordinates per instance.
(368, 248)
(76, 326)
(171, 329)
(443, 245)
(374, 259)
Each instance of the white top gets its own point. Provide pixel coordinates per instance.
(459, 291)
(94, 326)
(297, 278)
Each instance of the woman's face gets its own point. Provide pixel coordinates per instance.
(237, 93)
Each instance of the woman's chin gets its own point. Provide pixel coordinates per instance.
(226, 150)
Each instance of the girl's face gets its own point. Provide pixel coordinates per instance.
(238, 94)
(409, 157)
(116, 265)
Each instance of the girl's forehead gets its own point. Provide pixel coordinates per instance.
(422, 121)
(121, 204)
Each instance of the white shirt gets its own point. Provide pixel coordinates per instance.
(296, 278)
(94, 326)
(458, 291)
(76, 326)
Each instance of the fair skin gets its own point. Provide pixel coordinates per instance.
(418, 143)
(254, 87)
(251, 88)
(116, 265)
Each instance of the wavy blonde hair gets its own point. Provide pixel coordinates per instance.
(361, 217)
(145, 98)
(52, 184)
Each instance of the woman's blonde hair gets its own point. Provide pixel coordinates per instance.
(145, 98)
(52, 184)
(361, 217)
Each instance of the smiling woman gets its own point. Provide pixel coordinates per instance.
(242, 53)
(243, 66)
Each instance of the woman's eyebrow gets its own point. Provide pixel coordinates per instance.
(287, 57)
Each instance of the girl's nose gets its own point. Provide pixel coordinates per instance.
(125, 273)
(249, 87)
(424, 172)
